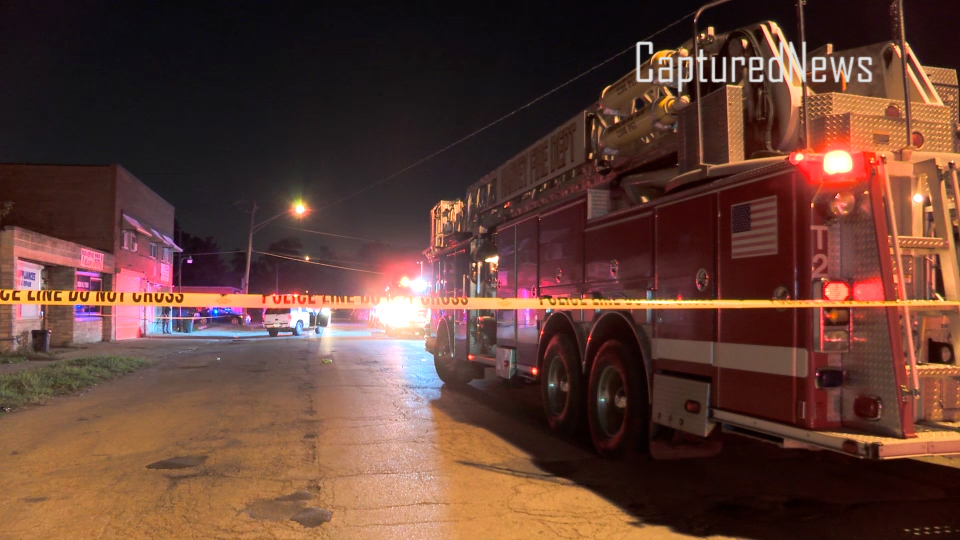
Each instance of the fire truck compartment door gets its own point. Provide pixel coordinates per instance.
(507, 285)
(686, 270)
(760, 364)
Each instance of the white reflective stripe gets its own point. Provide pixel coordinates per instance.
(700, 352)
(788, 361)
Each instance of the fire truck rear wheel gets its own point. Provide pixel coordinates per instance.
(561, 386)
(450, 370)
(617, 401)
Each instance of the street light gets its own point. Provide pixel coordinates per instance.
(299, 209)
(189, 260)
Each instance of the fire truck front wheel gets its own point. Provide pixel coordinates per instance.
(617, 401)
(561, 386)
(450, 370)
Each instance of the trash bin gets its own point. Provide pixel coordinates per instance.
(186, 325)
(41, 340)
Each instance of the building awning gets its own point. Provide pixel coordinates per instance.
(166, 240)
(170, 243)
(136, 225)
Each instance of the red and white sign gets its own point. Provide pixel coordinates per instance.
(91, 259)
(164, 273)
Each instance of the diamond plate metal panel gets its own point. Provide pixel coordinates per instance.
(945, 82)
(938, 75)
(830, 104)
(869, 364)
(723, 129)
(941, 399)
(877, 133)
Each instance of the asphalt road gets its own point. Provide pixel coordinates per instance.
(263, 438)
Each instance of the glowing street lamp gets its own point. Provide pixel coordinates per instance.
(298, 209)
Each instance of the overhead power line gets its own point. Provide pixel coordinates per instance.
(352, 237)
(527, 105)
(300, 259)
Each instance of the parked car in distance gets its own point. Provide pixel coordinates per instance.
(231, 315)
(295, 319)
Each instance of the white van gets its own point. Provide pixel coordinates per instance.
(295, 319)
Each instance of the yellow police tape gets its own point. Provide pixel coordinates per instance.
(316, 301)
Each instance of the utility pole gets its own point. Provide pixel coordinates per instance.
(246, 274)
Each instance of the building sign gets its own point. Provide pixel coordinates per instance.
(28, 277)
(91, 259)
(164, 273)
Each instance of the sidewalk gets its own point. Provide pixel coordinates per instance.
(153, 346)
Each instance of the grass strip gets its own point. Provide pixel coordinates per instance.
(32, 386)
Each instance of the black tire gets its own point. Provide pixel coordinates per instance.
(235, 321)
(318, 330)
(450, 370)
(273, 333)
(617, 403)
(298, 329)
(561, 386)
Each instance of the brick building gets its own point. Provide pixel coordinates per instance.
(103, 209)
(27, 260)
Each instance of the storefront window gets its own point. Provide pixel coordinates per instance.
(88, 282)
(28, 278)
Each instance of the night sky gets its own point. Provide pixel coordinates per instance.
(210, 102)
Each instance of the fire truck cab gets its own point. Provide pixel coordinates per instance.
(789, 189)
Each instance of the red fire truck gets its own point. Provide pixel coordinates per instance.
(789, 189)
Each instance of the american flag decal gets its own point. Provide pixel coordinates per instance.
(753, 228)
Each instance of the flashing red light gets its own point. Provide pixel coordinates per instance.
(869, 290)
(836, 291)
(470, 357)
(837, 162)
(867, 407)
(692, 407)
(534, 371)
(833, 167)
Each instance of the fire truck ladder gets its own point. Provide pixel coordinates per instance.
(934, 374)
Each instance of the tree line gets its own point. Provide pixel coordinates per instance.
(283, 268)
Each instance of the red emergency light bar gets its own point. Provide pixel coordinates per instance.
(834, 166)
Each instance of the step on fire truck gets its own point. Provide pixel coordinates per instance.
(790, 189)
